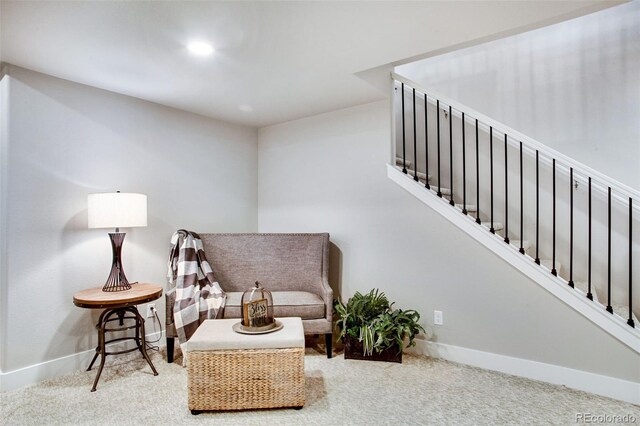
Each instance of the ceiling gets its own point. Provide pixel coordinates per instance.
(281, 60)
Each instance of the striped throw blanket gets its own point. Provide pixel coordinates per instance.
(198, 294)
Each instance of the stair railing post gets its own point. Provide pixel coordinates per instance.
(491, 229)
(609, 307)
(464, 170)
(506, 191)
(521, 205)
(415, 140)
(537, 207)
(630, 320)
(451, 155)
(571, 284)
(589, 294)
(404, 152)
(426, 143)
(438, 130)
(478, 220)
(553, 261)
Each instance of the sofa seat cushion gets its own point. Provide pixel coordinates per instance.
(285, 304)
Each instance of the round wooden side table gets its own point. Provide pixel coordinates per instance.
(116, 305)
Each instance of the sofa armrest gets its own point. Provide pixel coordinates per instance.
(327, 296)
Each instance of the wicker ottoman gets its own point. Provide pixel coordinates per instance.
(231, 371)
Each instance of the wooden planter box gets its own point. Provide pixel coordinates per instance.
(353, 350)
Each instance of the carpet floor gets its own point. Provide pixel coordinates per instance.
(421, 391)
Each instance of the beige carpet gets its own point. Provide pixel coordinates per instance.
(338, 391)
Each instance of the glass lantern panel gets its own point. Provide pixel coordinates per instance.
(257, 308)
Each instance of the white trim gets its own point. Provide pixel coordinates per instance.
(612, 324)
(64, 365)
(526, 140)
(611, 387)
(5, 81)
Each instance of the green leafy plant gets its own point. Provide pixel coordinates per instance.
(371, 319)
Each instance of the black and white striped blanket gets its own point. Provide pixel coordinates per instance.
(198, 294)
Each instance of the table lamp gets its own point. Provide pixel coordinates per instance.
(117, 210)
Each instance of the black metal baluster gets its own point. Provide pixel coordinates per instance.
(521, 205)
(589, 294)
(464, 171)
(451, 155)
(415, 140)
(571, 228)
(404, 153)
(630, 320)
(506, 192)
(609, 308)
(491, 229)
(478, 221)
(553, 261)
(426, 144)
(537, 207)
(438, 130)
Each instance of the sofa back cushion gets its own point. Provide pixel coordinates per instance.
(281, 262)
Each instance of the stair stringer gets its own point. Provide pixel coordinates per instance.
(594, 312)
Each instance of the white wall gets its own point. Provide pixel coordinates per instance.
(573, 86)
(66, 140)
(327, 173)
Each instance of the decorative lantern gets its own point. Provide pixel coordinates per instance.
(257, 310)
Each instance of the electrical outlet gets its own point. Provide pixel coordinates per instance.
(437, 318)
(150, 309)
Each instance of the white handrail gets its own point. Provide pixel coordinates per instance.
(531, 143)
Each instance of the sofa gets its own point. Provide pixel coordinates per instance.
(294, 267)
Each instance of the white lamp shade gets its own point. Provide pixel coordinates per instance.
(117, 210)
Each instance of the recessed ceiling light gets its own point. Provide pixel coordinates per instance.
(245, 108)
(200, 48)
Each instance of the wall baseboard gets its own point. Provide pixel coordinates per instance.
(60, 366)
(611, 387)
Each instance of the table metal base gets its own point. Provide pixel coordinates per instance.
(120, 315)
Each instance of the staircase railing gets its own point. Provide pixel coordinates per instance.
(617, 194)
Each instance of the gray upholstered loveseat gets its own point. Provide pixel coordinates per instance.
(294, 267)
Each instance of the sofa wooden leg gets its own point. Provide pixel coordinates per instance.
(329, 340)
(170, 344)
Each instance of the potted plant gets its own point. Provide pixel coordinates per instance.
(372, 330)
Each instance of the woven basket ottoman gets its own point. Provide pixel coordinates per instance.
(231, 371)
